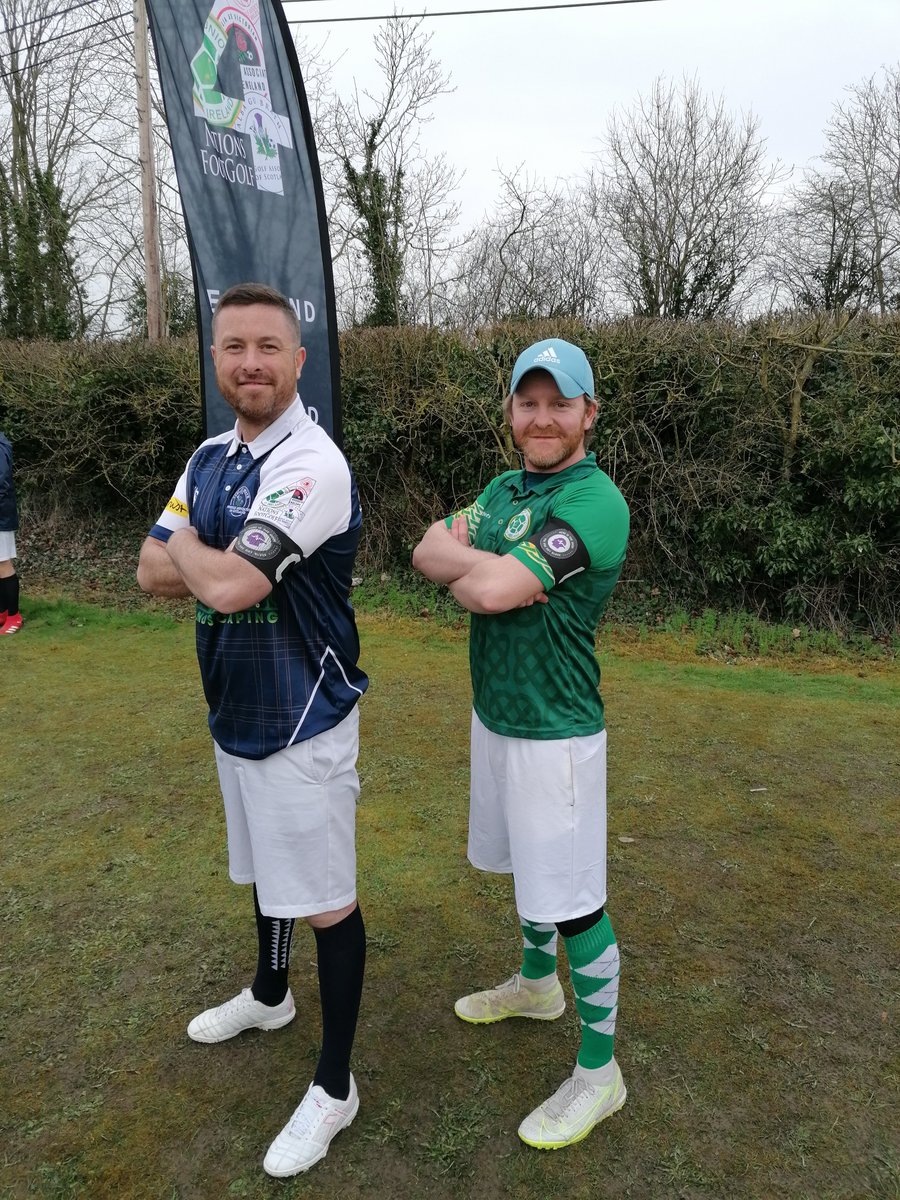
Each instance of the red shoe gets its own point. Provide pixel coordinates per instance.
(11, 624)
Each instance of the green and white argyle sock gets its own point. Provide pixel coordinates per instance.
(594, 965)
(538, 950)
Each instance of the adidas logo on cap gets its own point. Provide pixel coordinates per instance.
(565, 362)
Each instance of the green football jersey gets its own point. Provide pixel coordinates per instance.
(534, 670)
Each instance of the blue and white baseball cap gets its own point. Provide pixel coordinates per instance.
(567, 364)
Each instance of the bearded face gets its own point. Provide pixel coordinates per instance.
(258, 362)
(547, 426)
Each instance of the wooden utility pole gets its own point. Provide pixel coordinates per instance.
(152, 277)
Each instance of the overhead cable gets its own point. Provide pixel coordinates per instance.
(49, 16)
(46, 62)
(58, 37)
(462, 12)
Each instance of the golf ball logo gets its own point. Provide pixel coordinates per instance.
(558, 544)
(258, 542)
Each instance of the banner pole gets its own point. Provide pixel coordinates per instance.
(152, 274)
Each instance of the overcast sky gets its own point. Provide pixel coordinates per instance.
(536, 88)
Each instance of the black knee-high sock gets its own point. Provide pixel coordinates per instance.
(274, 933)
(9, 594)
(342, 962)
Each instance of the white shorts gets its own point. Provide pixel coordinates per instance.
(7, 545)
(291, 822)
(538, 810)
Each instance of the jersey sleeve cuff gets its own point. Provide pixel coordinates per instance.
(528, 554)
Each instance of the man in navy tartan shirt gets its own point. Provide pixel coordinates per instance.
(262, 529)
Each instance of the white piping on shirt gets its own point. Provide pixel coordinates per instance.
(312, 695)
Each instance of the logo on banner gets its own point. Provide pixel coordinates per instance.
(225, 154)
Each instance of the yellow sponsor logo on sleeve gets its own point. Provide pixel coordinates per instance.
(177, 507)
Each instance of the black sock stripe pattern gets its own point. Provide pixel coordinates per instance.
(282, 937)
(275, 935)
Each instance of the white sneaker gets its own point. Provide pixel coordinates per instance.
(306, 1137)
(572, 1112)
(511, 999)
(240, 1013)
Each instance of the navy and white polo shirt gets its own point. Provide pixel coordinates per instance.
(286, 669)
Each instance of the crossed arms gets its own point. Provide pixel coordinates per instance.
(184, 566)
(480, 581)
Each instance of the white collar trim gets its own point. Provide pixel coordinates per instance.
(271, 436)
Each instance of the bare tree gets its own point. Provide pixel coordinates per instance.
(391, 210)
(863, 150)
(57, 88)
(820, 258)
(537, 255)
(684, 198)
(432, 240)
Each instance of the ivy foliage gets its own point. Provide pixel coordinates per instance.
(39, 294)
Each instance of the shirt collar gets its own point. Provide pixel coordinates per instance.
(275, 433)
(532, 481)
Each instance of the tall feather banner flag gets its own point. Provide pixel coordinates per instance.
(249, 177)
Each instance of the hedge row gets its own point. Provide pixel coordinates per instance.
(761, 461)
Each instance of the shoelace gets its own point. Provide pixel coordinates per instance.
(508, 985)
(306, 1117)
(234, 1005)
(563, 1097)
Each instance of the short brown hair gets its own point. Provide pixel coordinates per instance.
(242, 295)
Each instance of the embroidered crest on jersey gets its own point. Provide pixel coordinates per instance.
(240, 502)
(257, 542)
(517, 526)
(178, 507)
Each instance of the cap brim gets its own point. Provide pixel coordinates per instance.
(566, 384)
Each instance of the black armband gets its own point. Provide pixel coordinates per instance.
(268, 549)
(565, 552)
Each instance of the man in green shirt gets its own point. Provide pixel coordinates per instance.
(535, 559)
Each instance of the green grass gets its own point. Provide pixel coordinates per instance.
(650, 619)
(752, 906)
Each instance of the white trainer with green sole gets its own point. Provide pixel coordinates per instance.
(511, 999)
(572, 1112)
